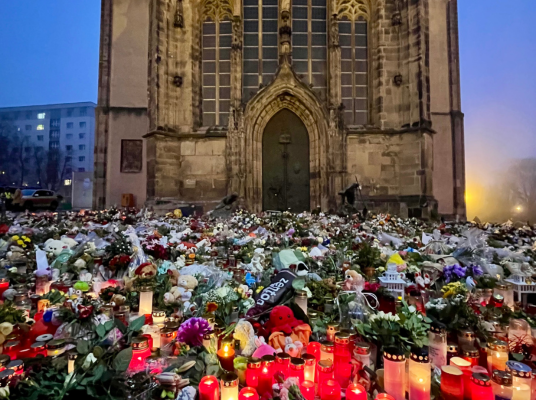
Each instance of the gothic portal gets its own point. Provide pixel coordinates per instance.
(284, 102)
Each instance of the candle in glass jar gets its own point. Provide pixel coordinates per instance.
(472, 355)
(229, 386)
(420, 377)
(384, 396)
(362, 353)
(226, 356)
(297, 367)
(209, 388)
(342, 358)
(497, 355)
(252, 372)
(309, 370)
(146, 300)
(167, 338)
(437, 338)
(324, 373)
(481, 387)
(394, 362)
(452, 351)
(209, 342)
(331, 330)
(55, 347)
(501, 382)
(71, 358)
(521, 373)
(159, 317)
(307, 389)
(282, 364)
(355, 391)
(140, 351)
(248, 393)
(466, 368)
(301, 300)
(326, 350)
(521, 392)
(466, 338)
(266, 375)
(451, 383)
(331, 390)
(314, 349)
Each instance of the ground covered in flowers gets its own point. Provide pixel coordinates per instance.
(135, 304)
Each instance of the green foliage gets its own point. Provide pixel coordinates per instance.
(368, 256)
(8, 313)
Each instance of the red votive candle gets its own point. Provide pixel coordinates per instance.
(297, 369)
(451, 383)
(309, 370)
(314, 349)
(481, 387)
(4, 361)
(209, 388)
(252, 372)
(307, 389)
(471, 354)
(384, 396)
(331, 390)
(465, 367)
(17, 366)
(355, 391)
(38, 348)
(226, 356)
(266, 375)
(4, 285)
(248, 393)
(325, 373)
(282, 364)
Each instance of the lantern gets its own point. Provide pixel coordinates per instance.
(297, 367)
(159, 317)
(282, 364)
(226, 355)
(301, 300)
(266, 375)
(331, 390)
(501, 382)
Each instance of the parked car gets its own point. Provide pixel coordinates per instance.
(40, 198)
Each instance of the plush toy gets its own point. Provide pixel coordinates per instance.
(282, 320)
(81, 285)
(71, 243)
(55, 246)
(245, 333)
(293, 348)
(177, 294)
(146, 270)
(263, 349)
(354, 281)
(188, 283)
(16, 254)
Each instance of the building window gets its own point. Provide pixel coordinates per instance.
(216, 62)
(81, 170)
(354, 69)
(28, 127)
(82, 124)
(261, 51)
(40, 138)
(68, 159)
(82, 158)
(27, 149)
(81, 147)
(309, 42)
(55, 123)
(29, 115)
(69, 147)
(81, 135)
(70, 112)
(67, 182)
(41, 116)
(54, 135)
(53, 145)
(83, 111)
(69, 125)
(69, 136)
(40, 127)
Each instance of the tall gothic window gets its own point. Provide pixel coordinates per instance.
(354, 68)
(260, 44)
(309, 42)
(216, 63)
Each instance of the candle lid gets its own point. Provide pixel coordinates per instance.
(312, 314)
(362, 348)
(72, 355)
(279, 357)
(301, 293)
(502, 378)
(309, 359)
(480, 379)
(498, 298)
(437, 327)
(420, 354)
(470, 352)
(518, 369)
(326, 346)
(4, 360)
(145, 288)
(329, 300)
(333, 325)
(460, 362)
(452, 348)
(451, 370)
(11, 344)
(125, 309)
(229, 379)
(6, 375)
(172, 323)
(466, 334)
(394, 354)
(167, 332)
(297, 363)
(139, 343)
(342, 338)
(503, 285)
(38, 346)
(254, 362)
(16, 365)
(268, 360)
(325, 365)
(498, 345)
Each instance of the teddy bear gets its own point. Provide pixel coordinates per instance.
(245, 333)
(263, 349)
(294, 349)
(354, 281)
(55, 246)
(188, 282)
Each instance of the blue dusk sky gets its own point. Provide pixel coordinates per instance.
(49, 54)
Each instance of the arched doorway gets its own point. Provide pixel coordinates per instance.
(285, 163)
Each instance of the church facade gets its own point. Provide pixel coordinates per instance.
(284, 102)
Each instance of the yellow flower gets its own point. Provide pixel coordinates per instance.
(27, 240)
(15, 237)
(6, 328)
(20, 242)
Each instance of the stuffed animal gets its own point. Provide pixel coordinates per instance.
(293, 348)
(263, 349)
(245, 333)
(71, 243)
(282, 320)
(354, 281)
(55, 246)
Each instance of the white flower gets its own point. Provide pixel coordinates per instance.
(6, 328)
(4, 392)
(412, 309)
(13, 270)
(89, 360)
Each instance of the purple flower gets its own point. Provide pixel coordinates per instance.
(476, 270)
(291, 232)
(450, 272)
(192, 330)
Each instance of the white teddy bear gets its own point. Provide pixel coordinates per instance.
(57, 246)
(245, 333)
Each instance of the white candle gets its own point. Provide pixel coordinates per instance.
(521, 392)
(159, 317)
(146, 301)
(229, 386)
(301, 300)
(394, 374)
(420, 376)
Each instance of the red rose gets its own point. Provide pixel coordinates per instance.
(84, 312)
